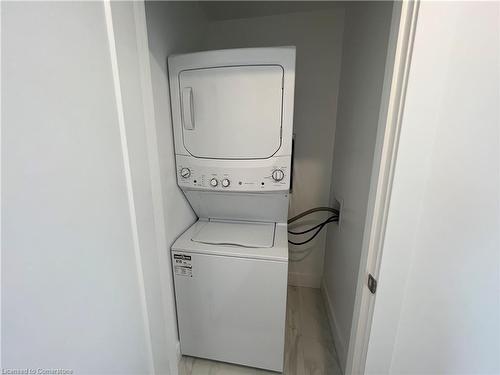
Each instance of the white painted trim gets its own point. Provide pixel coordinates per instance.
(389, 125)
(128, 177)
(1, 184)
(339, 343)
(306, 280)
(173, 354)
(178, 355)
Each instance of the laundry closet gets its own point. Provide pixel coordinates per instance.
(341, 59)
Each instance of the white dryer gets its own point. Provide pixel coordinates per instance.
(232, 115)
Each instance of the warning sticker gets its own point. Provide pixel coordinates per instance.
(183, 265)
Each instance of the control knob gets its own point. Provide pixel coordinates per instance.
(226, 183)
(278, 175)
(214, 182)
(185, 173)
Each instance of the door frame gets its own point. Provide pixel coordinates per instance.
(398, 60)
(403, 24)
(129, 50)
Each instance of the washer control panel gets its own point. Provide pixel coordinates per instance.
(266, 175)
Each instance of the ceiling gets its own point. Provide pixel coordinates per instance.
(225, 10)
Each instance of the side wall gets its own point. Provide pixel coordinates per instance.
(172, 27)
(318, 38)
(366, 34)
(437, 309)
(73, 293)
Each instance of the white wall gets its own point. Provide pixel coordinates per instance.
(318, 38)
(73, 295)
(437, 308)
(173, 27)
(366, 36)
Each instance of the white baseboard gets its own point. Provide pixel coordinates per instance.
(340, 345)
(304, 279)
(179, 354)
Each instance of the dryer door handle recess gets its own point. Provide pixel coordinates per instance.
(187, 108)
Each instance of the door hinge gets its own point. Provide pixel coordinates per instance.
(372, 283)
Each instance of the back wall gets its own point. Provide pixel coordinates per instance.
(318, 38)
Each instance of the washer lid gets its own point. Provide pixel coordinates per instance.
(234, 233)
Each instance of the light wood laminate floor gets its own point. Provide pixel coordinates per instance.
(308, 343)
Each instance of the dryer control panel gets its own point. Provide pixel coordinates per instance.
(233, 175)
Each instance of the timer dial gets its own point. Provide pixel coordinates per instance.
(185, 172)
(226, 182)
(278, 175)
(214, 182)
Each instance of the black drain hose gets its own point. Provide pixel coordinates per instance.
(319, 227)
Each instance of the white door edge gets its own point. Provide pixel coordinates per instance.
(162, 361)
(398, 61)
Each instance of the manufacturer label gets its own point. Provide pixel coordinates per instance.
(183, 265)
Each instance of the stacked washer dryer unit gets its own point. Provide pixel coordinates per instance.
(233, 116)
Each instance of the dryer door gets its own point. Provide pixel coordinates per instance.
(232, 112)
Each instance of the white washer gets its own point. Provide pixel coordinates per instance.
(232, 116)
(231, 292)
